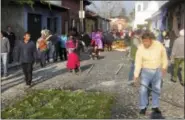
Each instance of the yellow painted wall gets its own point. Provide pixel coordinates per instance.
(89, 25)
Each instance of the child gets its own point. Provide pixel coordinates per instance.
(73, 62)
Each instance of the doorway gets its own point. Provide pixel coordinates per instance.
(34, 26)
(49, 24)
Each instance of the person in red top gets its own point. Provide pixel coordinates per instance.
(73, 62)
(70, 45)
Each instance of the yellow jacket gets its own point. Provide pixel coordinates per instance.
(154, 57)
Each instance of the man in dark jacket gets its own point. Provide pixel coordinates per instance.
(86, 39)
(27, 57)
(11, 37)
(109, 38)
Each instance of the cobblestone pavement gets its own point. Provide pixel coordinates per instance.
(101, 77)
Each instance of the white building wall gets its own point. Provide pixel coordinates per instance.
(141, 16)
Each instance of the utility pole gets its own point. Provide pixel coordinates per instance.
(81, 15)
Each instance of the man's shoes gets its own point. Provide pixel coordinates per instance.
(29, 85)
(156, 110)
(142, 111)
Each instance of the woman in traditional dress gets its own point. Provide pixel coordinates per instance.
(92, 50)
(73, 62)
(98, 43)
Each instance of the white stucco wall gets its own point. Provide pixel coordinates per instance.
(151, 8)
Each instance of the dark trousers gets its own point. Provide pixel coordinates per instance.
(27, 70)
(83, 49)
(109, 47)
(168, 52)
(10, 56)
(47, 55)
(57, 47)
(63, 54)
(42, 58)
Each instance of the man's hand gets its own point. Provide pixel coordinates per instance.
(136, 81)
(163, 72)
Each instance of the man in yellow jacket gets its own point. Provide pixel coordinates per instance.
(150, 63)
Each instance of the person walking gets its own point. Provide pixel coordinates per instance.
(63, 51)
(134, 45)
(78, 45)
(5, 49)
(177, 58)
(172, 37)
(27, 57)
(109, 38)
(55, 45)
(167, 45)
(49, 56)
(42, 48)
(83, 46)
(11, 37)
(93, 45)
(98, 43)
(86, 39)
(150, 63)
(127, 42)
(73, 62)
(160, 36)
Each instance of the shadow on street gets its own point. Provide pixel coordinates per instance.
(43, 78)
(156, 116)
(17, 71)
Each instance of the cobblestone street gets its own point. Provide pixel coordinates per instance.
(101, 77)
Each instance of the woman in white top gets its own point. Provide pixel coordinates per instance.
(167, 45)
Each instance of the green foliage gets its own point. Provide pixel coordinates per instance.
(55, 104)
(31, 2)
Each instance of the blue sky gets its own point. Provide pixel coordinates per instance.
(128, 5)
